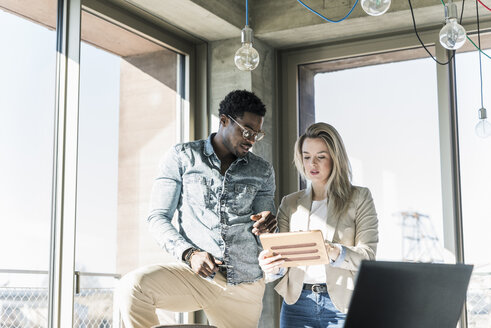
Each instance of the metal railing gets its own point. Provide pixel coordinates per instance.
(28, 306)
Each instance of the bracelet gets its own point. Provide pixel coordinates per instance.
(189, 254)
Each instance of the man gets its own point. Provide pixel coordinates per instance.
(219, 189)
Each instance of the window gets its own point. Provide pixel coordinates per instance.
(390, 130)
(27, 81)
(129, 116)
(475, 161)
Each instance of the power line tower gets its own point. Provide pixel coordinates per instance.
(419, 240)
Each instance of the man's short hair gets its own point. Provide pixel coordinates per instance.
(239, 101)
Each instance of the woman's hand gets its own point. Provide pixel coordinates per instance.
(332, 251)
(270, 262)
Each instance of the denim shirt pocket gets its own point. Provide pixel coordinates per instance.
(243, 197)
(195, 190)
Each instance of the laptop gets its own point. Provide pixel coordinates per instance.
(408, 295)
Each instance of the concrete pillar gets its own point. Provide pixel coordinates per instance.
(224, 77)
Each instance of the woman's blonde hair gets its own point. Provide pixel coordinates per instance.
(339, 187)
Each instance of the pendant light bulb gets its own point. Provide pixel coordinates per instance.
(246, 58)
(375, 7)
(452, 35)
(483, 127)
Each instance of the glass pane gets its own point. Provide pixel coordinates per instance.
(128, 119)
(390, 129)
(475, 161)
(27, 84)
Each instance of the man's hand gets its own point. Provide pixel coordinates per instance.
(265, 222)
(204, 264)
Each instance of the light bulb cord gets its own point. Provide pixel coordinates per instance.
(324, 17)
(484, 5)
(247, 12)
(479, 43)
(421, 41)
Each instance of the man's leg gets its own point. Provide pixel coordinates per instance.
(172, 287)
(238, 306)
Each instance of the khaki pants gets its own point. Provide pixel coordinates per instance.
(174, 287)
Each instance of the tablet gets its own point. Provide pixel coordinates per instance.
(297, 248)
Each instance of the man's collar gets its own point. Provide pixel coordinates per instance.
(245, 158)
(208, 151)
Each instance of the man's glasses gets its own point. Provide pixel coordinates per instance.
(249, 134)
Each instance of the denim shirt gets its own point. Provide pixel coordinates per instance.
(213, 210)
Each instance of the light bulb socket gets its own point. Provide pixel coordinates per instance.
(247, 35)
(450, 11)
(482, 113)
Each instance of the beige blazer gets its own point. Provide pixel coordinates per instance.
(356, 229)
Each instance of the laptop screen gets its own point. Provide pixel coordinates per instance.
(408, 295)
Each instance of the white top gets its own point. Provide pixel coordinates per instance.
(316, 274)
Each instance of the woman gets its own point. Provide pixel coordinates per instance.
(319, 295)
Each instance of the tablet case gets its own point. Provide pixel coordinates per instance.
(297, 248)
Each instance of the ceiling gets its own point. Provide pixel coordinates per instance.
(287, 24)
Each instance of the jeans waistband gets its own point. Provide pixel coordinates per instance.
(316, 288)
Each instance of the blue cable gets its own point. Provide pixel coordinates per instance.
(325, 18)
(247, 12)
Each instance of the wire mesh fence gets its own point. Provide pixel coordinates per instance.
(23, 307)
(479, 301)
(27, 307)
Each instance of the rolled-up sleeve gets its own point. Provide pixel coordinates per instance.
(165, 196)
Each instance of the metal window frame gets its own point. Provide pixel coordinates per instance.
(64, 190)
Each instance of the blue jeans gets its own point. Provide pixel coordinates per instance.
(312, 310)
